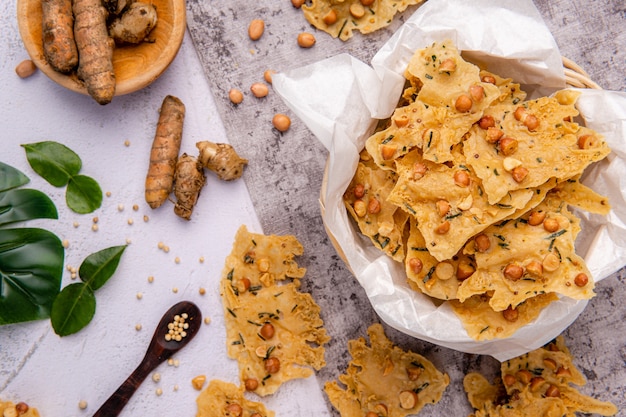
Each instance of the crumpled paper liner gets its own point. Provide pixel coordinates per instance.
(340, 98)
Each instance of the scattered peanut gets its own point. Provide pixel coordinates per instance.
(297, 3)
(306, 40)
(25, 68)
(267, 75)
(256, 29)
(198, 382)
(235, 96)
(281, 122)
(82, 404)
(259, 90)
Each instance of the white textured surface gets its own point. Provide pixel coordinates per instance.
(53, 373)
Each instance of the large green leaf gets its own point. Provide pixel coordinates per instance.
(55, 163)
(73, 309)
(11, 177)
(98, 267)
(31, 266)
(25, 204)
(83, 194)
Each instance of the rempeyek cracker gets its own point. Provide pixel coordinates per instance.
(470, 160)
(340, 18)
(528, 256)
(223, 399)
(273, 331)
(534, 384)
(450, 100)
(383, 379)
(380, 220)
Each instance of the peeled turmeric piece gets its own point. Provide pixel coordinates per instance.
(95, 49)
(222, 159)
(164, 153)
(188, 183)
(59, 47)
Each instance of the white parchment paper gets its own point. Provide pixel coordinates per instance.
(340, 98)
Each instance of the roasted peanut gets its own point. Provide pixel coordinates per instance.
(488, 79)
(447, 65)
(256, 29)
(508, 380)
(443, 207)
(267, 331)
(413, 372)
(482, 243)
(463, 103)
(581, 280)
(234, 410)
(444, 271)
(281, 122)
(508, 146)
(461, 178)
(534, 268)
(587, 142)
(235, 96)
(259, 90)
(464, 270)
(388, 151)
(272, 365)
(359, 190)
(330, 17)
(551, 262)
(408, 399)
(510, 314)
(306, 40)
(251, 384)
(493, 134)
(536, 217)
(486, 122)
(25, 68)
(357, 11)
(373, 206)
(551, 225)
(513, 272)
(416, 265)
(360, 208)
(443, 228)
(524, 376)
(477, 93)
(419, 170)
(519, 174)
(553, 391)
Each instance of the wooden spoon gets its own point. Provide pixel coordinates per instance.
(158, 351)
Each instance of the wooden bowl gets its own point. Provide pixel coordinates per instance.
(135, 66)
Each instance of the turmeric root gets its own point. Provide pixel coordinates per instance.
(95, 49)
(188, 184)
(134, 25)
(222, 159)
(59, 47)
(164, 153)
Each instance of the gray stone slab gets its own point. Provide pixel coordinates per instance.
(286, 171)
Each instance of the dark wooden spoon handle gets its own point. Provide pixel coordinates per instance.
(116, 402)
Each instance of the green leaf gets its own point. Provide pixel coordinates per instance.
(31, 266)
(98, 267)
(83, 194)
(55, 163)
(73, 309)
(11, 177)
(25, 204)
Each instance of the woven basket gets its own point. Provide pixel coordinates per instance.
(575, 76)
